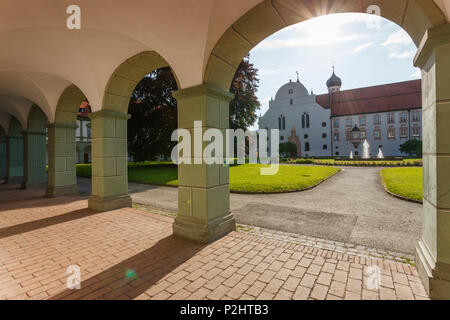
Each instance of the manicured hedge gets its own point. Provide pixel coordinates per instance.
(358, 163)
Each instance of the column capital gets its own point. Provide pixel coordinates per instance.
(204, 89)
(432, 38)
(109, 114)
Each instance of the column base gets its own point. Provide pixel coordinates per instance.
(435, 277)
(63, 191)
(102, 204)
(201, 230)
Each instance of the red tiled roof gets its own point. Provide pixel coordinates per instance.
(384, 98)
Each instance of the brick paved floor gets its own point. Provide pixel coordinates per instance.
(132, 254)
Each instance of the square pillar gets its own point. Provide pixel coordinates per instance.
(62, 174)
(433, 250)
(34, 149)
(203, 190)
(14, 159)
(109, 161)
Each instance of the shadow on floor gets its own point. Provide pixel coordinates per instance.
(132, 277)
(46, 222)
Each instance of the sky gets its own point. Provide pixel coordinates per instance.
(366, 50)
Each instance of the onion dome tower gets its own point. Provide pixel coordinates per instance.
(334, 83)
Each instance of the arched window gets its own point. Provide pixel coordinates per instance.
(305, 121)
(307, 147)
(282, 123)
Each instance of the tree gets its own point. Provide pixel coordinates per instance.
(412, 148)
(244, 106)
(153, 116)
(154, 111)
(288, 149)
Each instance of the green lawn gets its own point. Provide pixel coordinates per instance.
(405, 182)
(243, 178)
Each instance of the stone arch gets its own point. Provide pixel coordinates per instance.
(62, 153)
(125, 78)
(109, 132)
(37, 119)
(34, 149)
(271, 16)
(69, 104)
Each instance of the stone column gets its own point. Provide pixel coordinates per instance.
(62, 177)
(203, 191)
(14, 160)
(109, 161)
(34, 148)
(433, 250)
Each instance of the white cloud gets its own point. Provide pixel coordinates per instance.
(363, 47)
(320, 31)
(400, 37)
(313, 40)
(401, 55)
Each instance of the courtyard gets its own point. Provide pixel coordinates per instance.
(349, 207)
(127, 81)
(132, 254)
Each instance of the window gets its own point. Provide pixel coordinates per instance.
(416, 132)
(306, 136)
(336, 123)
(362, 121)
(307, 147)
(404, 132)
(416, 115)
(291, 102)
(305, 120)
(324, 135)
(291, 91)
(336, 136)
(281, 123)
(282, 138)
(391, 133)
(363, 134)
(377, 119)
(349, 122)
(89, 132)
(391, 118)
(337, 153)
(324, 124)
(377, 134)
(403, 117)
(325, 147)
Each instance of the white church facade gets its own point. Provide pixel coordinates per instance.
(336, 124)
